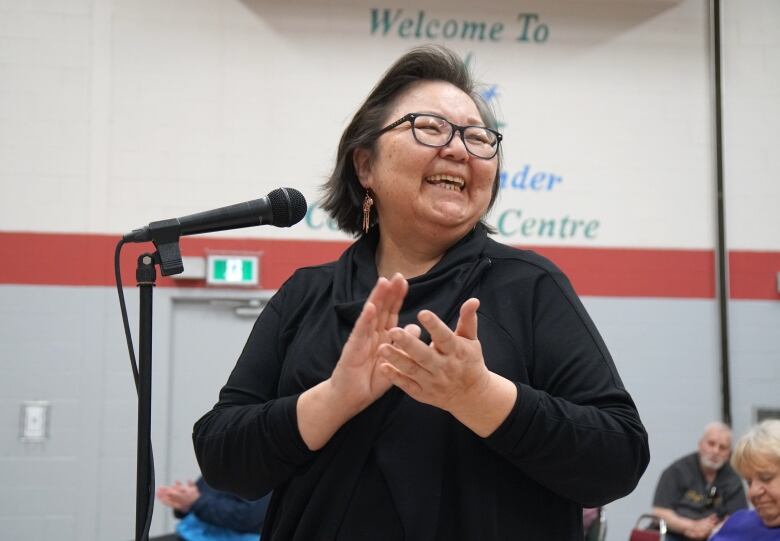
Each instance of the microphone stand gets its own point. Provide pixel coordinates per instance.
(146, 276)
(168, 256)
(283, 207)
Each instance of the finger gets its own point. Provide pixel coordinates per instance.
(403, 363)
(377, 293)
(413, 329)
(397, 378)
(467, 322)
(382, 297)
(392, 300)
(442, 337)
(410, 345)
(366, 321)
(400, 287)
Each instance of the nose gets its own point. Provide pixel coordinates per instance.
(754, 490)
(456, 148)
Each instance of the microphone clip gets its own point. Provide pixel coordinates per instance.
(165, 235)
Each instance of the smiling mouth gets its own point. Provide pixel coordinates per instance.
(448, 182)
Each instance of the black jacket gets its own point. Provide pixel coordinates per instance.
(405, 470)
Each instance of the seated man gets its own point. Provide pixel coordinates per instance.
(699, 490)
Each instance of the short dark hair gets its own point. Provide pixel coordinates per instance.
(343, 193)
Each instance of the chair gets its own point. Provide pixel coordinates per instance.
(649, 528)
(597, 531)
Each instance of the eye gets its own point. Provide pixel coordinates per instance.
(480, 136)
(431, 125)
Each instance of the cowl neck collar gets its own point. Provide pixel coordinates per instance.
(441, 290)
(337, 469)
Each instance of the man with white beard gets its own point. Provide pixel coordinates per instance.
(698, 491)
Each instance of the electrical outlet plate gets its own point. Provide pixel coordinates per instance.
(34, 421)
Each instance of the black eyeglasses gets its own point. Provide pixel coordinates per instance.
(436, 131)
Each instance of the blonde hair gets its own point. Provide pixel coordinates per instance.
(760, 445)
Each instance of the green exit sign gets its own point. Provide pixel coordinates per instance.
(232, 270)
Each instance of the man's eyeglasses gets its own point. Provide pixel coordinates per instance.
(436, 131)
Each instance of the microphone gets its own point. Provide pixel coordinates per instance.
(282, 207)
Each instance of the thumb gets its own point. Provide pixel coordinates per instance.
(467, 322)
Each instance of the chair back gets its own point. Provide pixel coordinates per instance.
(649, 528)
(598, 528)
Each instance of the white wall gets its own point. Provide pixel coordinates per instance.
(114, 113)
(120, 112)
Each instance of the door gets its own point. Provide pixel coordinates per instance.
(207, 336)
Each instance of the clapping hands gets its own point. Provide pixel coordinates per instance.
(179, 496)
(443, 373)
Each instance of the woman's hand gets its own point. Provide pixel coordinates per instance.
(356, 378)
(450, 373)
(356, 381)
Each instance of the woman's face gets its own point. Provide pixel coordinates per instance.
(422, 191)
(763, 480)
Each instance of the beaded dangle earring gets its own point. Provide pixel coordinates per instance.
(367, 204)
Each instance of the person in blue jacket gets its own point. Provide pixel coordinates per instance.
(212, 507)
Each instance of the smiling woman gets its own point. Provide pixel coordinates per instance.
(441, 188)
(418, 388)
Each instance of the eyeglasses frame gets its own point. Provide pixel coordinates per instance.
(410, 117)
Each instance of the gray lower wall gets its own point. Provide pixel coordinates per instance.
(65, 345)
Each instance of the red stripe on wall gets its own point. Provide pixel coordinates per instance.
(754, 275)
(623, 272)
(87, 260)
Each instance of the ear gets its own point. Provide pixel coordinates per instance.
(361, 161)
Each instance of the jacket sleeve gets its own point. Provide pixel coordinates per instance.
(229, 511)
(249, 442)
(574, 428)
(668, 491)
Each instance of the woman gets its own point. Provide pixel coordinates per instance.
(757, 459)
(431, 383)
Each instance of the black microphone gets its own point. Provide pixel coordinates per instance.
(282, 207)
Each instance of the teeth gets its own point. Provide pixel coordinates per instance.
(448, 182)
